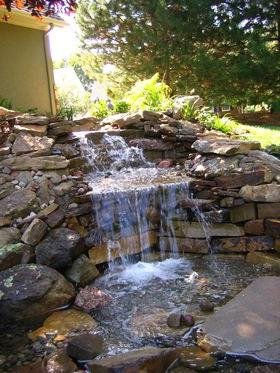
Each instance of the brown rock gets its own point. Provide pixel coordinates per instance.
(195, 357)
(184, 245)
(5, 221)
(261, 193)
(271, 368)
(272, 227)
(166, 163)
(254, 227)
(243, 213)
(242, 244)
(225, 147)
(26, 143)
(43, 214)
(18, 204)
(85, 347)
(82, 271)
(34, 232)
(55, 218)
(206, 306)
(239, 180)
(148, 360)
(270, 259)
(32, 129)
(268, 210)
(90, 298)
(9, 235)
(52, 162)
(174, 320)
(13, 254)
(196, 230)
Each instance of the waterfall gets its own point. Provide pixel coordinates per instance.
(134, 202)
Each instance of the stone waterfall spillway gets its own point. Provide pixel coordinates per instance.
(134, 203)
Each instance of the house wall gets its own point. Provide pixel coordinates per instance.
(24, 75)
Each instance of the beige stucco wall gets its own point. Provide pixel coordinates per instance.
(24, 75)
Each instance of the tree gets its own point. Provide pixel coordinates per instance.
(39, 8)
(226, 50)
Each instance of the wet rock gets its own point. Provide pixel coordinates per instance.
(272, 227)
(58, 362)
(243, 213)
(64, 323)
(242, 244)
(269, 259)
(67, 150)
(34, 232)
(195, 357)
(166, 163)
(90, 298)
(18, 204)
(268, 210)
(249, 324)
(13, 254)
(151, 144)
(196, 230)
(25, 163)
(225, 147)
(30, 290)
(85, 347)
(261, 193)
(148, 360)
(59, 248)
(184, 245)
(55, 218)
(174, 320)
(254, 227)
(82, 271)
(9, 236)
(187, 320)
(26, 143)
(206, 306)
(271, 368)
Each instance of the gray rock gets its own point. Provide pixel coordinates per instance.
(122, 120)
(82, 271)
(32, 129)
(9, 235)
(30, 290)
(225, 147)
(249, 324)
(34, 232)
(63, 188)
(60, 128)
(26, 143)
(85, 347)
(18, 204)
(261, 193)
(59, 248)
(25, 163)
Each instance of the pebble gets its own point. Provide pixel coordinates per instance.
(187, 320)
(6, 170)
(206, 306)
(72, 206)
(81, 191)
(64, 177)
(17, 187)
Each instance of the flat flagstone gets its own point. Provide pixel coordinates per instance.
(250, 323)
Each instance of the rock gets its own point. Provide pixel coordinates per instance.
(81, 209)
(187, 320)
(271, 368)
(206, 306)
(59, 248)
(151, 144)
(9, 236)
(55, 218)
(174, 320)
(268, 210)
(90, 298)
(13, 254)
(23, 162)
(272, 227)
(254, 227)
(242, 244)
(43, 214)
(32, 129)
(67, 150)
(217, 216)
(26, 143)
(85, 347)
(18, 204)
(4, 150)
(30, 290)
(82, 271)
(239, 180)
(33, 119)
(34, 232)
(5, 221)
(270, 259)
(243, 213)
(60, 128)
(64, 323)
(58, 362)
(261, 193)
(212, 167)
(184, 245)
(63, 188)
(122, 120)
(249, 324)
(196, 230)
(148, 360)
(225, 147)
(166, 163)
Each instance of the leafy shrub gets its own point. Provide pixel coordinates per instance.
(72, 105)
(6, 103)
(213, 121)
(190, 111)
(150, 94)
(121, 106)
(100, 109)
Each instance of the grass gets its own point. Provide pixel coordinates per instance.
(268, 136)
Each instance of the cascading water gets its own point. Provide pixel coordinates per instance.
(133, 200)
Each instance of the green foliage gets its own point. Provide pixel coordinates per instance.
(214, 122)
(228, 51)
(121, 106)
(190, 111)
(7, 104)
(149, 94)
(99, 109)
(71, 104)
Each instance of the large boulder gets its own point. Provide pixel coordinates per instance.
(59, 248)
(30, 290)
(261, 193)
(18, 204)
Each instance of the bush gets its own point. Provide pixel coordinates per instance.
(7, 104)
(213, 121)
(190, 111)
(150, 94)
(100, 109)
(72, 105)
(121, 106)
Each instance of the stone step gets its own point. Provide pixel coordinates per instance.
(183, 245)
(196, 230)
